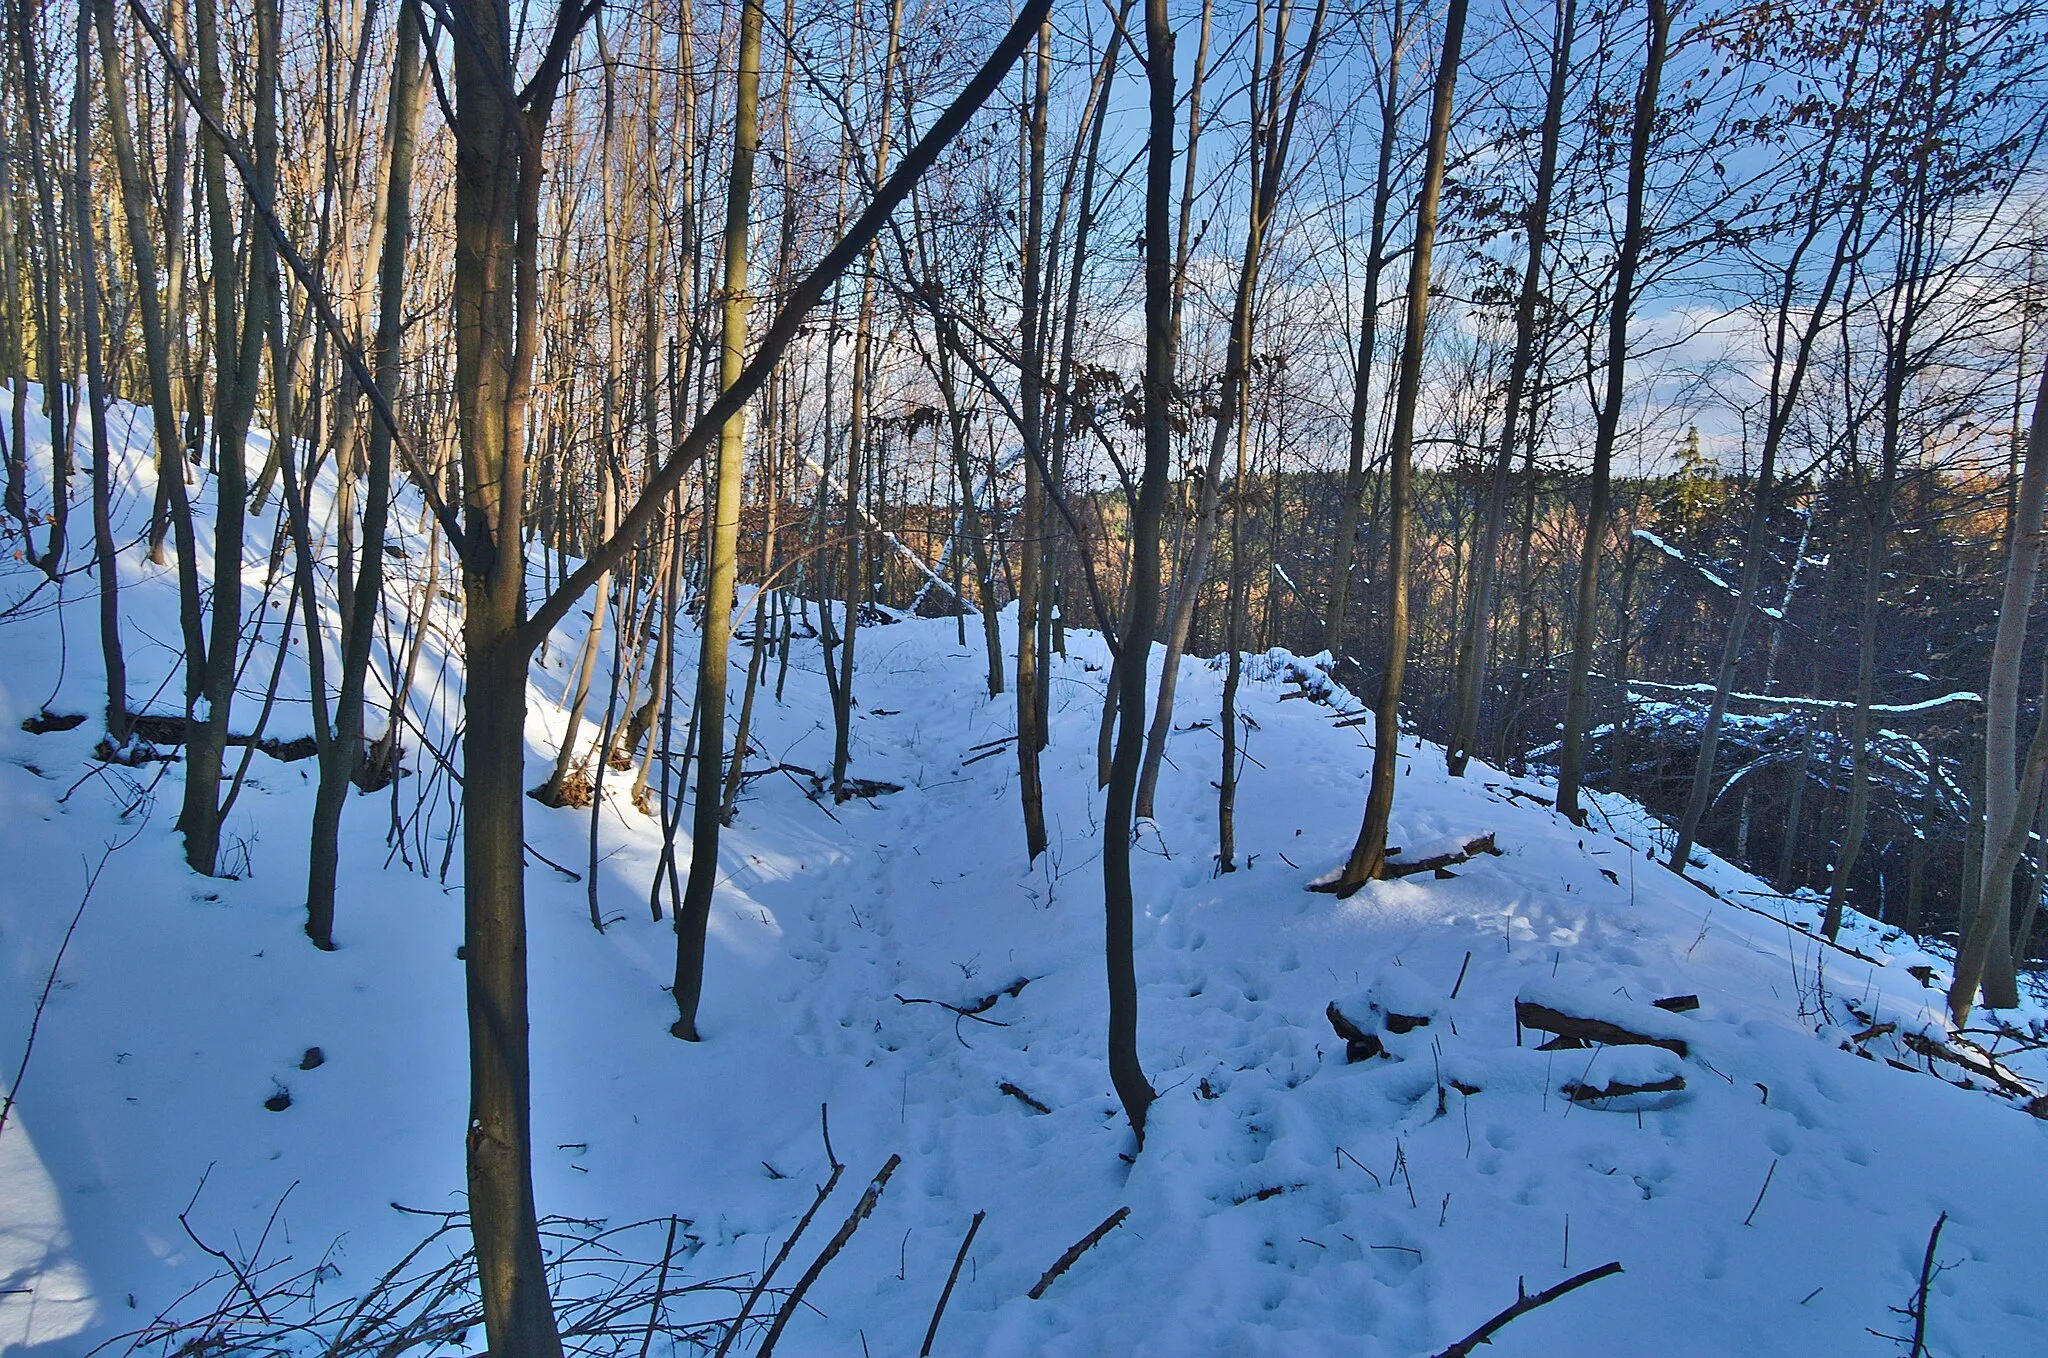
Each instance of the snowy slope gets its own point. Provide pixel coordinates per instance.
(1286, 1202)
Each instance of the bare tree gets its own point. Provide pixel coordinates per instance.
(1369, 854)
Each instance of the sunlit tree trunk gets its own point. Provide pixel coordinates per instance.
(1369, 852)
(1586, 616)
(693, 915)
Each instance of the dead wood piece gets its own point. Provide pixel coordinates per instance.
(932, 1331)
(1583, 1093)
(1874, 1030)
(732, 1331)
(1678, 1004)
(46, 721)
(1359, 1045)
(975, 1008)
(1532, 1015)
(845, 1232)
(866, 787)
(1020, 1096)
(1398, 1024)
(1264, 1194)
(158, 729)
(1076, 1250)
(1524, 1303)
(1483, 844)
(1920, 1297)
(1971, 1058)
(1805, 931)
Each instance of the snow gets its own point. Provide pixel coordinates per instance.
(1676, 554)
(1285, 1202)
(1780, 700)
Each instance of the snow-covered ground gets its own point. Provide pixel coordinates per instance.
(1285, 1203)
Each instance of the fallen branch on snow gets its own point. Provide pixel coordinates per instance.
(1524, 1303)
(1076, 1250)
(1529, 1014)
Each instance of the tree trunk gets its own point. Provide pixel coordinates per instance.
(2009, 792)
(238, 351)
(694, 914)
(1031, 734)
(1369, 852)
(497, 210)
(1368, 341)
(1585, 625)
(1142, 599)
(106, 553)
(1472, 644)
(1268, 166)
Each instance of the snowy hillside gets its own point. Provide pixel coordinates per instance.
(892, 962)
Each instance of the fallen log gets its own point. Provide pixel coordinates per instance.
(1584, 1093)
(1437, 862)
(1973, 1059)
(1545, 1019)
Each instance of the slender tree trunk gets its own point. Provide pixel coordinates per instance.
(694, 914)
(497, 215)
(13, 368)
(1369, 852)
(1142, 599)
(1586, 616)
(238, 352)
(48, 275)
(1368, 342)
(1797, 324)
(1268, 165)
(136, 213)
(1266, 170)
(1031, 406)
(1473, 643)
(861, 380)
(107, 556)
(342, 759)
(2009, 790)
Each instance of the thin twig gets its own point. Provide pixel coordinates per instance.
(1076, 1250)
(767, 1275)
(1761, 1191)
(660, 1286)
(1926, 1277)
(49, 983)
(1523, 1304)
(932, 1330)
(845, 1232)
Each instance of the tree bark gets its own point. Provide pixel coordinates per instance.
(1585, 623)
(2009, 791)
(1369, 853)
(107, 556)
(1473, 643)
(340, 761)
(1368, 343)
(694, 914)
